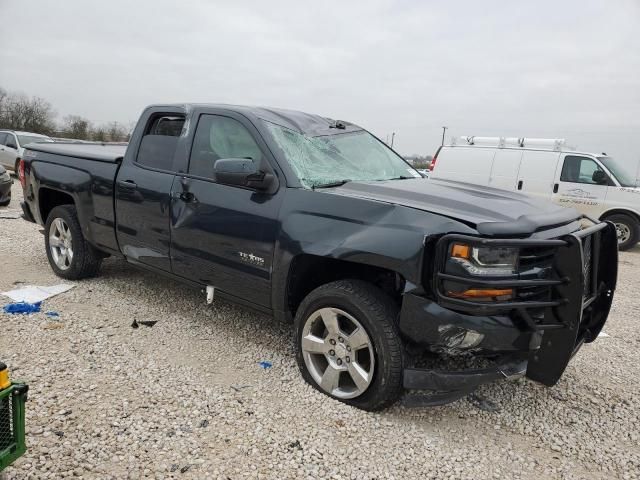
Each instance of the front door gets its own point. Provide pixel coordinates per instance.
(579, 186)
(143, 190)
(224, 235)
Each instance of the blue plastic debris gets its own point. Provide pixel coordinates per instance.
(265, 364)
(52, 314)
(22, 307)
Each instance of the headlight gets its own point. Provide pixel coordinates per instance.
(466, 260)
(485, 260)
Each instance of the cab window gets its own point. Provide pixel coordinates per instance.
(581, 170)
(219, 137)
(159, 143)
(3, 138)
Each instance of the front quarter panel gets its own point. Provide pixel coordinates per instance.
(355, 230)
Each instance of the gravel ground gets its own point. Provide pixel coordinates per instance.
(186, 398)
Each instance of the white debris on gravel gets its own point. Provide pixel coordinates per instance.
(186, 398)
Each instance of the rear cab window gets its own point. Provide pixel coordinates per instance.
(160, 140)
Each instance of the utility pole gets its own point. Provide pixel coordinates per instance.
(444, 129)
(393, 136)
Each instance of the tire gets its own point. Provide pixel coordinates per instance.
(382, 359)
(84, 260)
(7, 201)
(627, 227)
(16, 168)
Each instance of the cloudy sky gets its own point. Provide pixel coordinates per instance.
(546, 68)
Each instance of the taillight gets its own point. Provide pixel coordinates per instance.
(21, 175)
(433, 160)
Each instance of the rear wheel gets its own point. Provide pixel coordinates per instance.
(348, 345)
(16, 168)
(627, 229)
(69, 254)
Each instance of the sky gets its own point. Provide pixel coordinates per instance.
(559, 69)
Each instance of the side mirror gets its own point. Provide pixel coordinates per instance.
(600, 177)
(12, 145)
(242, 172)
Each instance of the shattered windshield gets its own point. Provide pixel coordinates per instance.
(334, 159)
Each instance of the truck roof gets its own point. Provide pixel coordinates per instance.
(307, 123)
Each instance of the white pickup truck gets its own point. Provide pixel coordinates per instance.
(12, 146)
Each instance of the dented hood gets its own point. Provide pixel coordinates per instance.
(489, 210)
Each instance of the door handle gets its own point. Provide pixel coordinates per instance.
(555, 188)
(187, 197)
(128, 184)
(520, 185)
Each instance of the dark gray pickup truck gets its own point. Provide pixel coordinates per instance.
(389, 278)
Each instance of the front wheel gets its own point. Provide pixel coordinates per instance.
(627, 229)
(348, 345)
(69, 254)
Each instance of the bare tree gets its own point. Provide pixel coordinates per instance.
(116, 132)
(19, 112)
(76, 126)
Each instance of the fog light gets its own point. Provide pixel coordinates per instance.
(457, 337)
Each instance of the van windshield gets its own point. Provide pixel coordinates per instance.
(620, 171)
(332, 160)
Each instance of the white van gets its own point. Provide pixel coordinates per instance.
(594, 184)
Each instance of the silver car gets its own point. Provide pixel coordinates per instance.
(12, 145)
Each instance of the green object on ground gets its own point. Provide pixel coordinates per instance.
(12, 432)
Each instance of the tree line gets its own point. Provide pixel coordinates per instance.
(35, 114)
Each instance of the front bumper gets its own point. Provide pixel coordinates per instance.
(533, 336)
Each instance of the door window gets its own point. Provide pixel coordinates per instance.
(219, 137)
(580, 170)
(3, 138)
(158, 145)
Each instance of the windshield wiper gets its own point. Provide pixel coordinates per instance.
(401, 177)
(339, 183)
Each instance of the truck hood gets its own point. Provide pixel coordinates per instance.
(489, 210)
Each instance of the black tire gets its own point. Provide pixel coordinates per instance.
(377, 313)
(7, 201)
(629, 225)
(16, 168)
(86, 259)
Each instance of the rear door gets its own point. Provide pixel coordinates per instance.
(143, 192)
(223, 235)
(576, 186)
(537, 173)
(504, 172)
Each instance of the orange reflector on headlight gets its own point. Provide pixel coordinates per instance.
(482, 293)
(460, 250)
(5, 382)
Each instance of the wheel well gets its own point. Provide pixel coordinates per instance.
(629, 213)
(49, 199)
(308, 272)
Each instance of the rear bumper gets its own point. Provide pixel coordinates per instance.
(537, 338)
(26, 212)
(5, 191)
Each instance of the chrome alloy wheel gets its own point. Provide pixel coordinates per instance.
(338, 353)
(623, 231)
(61, 244)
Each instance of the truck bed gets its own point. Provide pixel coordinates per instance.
(101, 152)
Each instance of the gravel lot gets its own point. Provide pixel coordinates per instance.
(186, 398)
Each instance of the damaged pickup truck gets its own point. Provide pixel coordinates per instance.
(384, 274)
